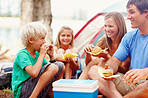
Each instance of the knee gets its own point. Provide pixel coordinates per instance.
(53, 68)
(95, 60)
(63, 70)
(102, 62)
(60, 65)
(92, 71)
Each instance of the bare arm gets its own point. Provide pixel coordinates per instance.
(33, 71)
(114, 63)
(88, 57)
(74, 64)
(58, 54)
(50, 52)
(124, 67)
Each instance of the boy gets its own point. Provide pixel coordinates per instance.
(32, 76)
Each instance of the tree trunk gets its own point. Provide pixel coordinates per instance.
(37, 10)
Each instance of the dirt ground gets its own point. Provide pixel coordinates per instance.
(4, 94)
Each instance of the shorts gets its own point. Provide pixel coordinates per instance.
(29, 85)
(125, 88)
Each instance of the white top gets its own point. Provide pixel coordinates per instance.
(75, 85)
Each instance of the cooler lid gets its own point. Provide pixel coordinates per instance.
(75, 85)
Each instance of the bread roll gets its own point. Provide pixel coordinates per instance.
(107, 72)
(96, 50)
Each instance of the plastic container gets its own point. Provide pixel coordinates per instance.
(75, 88)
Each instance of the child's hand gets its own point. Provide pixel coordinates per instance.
(68, 59)
(50, 51)
(75, 59)
(43, 49)
(71, 60)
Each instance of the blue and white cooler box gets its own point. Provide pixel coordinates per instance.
(75, 88)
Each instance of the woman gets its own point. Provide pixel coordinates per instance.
(115, 29)
(64, 44)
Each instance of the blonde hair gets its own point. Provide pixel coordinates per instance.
(32, 30)
(57, 43)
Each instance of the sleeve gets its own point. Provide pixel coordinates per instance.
(44, 62)
(23, 60)
(122, 52)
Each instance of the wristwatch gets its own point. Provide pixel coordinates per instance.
(52, 61)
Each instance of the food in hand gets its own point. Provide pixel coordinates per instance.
(107, 72)
(72, 55)
(96, 50)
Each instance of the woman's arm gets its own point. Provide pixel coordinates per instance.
(88, 56)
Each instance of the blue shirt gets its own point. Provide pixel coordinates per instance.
(136, 47)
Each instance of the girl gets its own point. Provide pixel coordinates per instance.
(64, 44)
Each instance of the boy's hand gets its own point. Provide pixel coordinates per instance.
(50, 51)
(43, 49)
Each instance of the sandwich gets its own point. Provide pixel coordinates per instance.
(96, 50)
(107, 72)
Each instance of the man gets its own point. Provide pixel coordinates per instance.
(134, 45)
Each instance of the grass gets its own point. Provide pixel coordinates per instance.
(6, 93)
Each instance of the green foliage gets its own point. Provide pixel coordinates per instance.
(8, 91)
